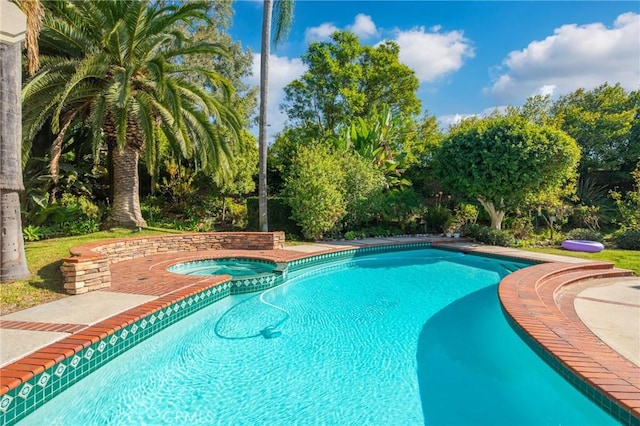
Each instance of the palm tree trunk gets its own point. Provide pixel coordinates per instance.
(13, 263)
(125, 209)
(262, 132)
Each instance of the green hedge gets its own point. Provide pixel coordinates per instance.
(628, 239)
(279, 216)
(488, 235)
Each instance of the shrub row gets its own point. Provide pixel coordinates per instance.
(488, 235)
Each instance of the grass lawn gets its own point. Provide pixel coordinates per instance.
(625, 259)
(44, 259)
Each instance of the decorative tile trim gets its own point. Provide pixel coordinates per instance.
(24, 399)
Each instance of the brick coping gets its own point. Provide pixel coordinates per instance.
(525, 295)
(550, 325)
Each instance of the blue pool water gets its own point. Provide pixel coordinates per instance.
(405, 338)
(234, 267)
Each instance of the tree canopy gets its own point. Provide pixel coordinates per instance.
(346, 80)
(114, 66)
(505, 161)
(605, 122)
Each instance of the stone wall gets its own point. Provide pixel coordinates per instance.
(88, 267)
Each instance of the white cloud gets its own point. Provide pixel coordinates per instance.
(363, 26)
(547, 89)
(320, 33)
(282, 71)
(433, 54)
(449, 120)
(574, 56)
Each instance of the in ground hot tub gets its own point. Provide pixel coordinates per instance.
(236, 267)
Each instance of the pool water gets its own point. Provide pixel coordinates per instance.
(234, 267)
(405, 338)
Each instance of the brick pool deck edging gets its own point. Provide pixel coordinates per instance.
(554, 331)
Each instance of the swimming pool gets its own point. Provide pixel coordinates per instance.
(409, 337)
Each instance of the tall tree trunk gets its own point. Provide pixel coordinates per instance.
(262, 132)
(125, 208)
(13, 263)
(496, 214)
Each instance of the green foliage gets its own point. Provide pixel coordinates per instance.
(602, 121)
(489, 235)
(519, 226)
(629, 206)
(587, 216)
(279, 218)
(584, 234)
(464, 213)
(71, 215)
(31, 233)
(346, 80)
(506, 161)
(627, 239)
(361, 189)
(314, 191)
(437, 219)
(128, 83)
(401, 207)
(590, 192)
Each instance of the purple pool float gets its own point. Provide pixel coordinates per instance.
(582, 245)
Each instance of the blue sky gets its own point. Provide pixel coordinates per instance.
(470, 57)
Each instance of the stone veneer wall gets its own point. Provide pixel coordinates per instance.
(88, 267)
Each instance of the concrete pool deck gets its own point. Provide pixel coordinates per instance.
(604, 312)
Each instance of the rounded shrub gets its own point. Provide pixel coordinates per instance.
(437, 218)
(584, 234)
(628, 239)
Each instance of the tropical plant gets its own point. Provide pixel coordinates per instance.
(116, 66)
(283, 19)
(379, 142)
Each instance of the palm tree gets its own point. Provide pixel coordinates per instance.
(116, 66)
(283, 19)
(13, 263)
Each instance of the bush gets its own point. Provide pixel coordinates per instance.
(314, 190)
(520, 226)
(278, 216)
(437, 219)
(584, 234)
(627, 239)
(488, 235)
